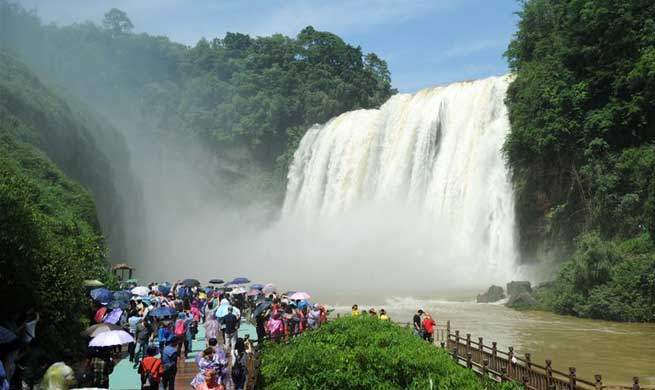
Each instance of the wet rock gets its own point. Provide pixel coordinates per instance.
(522, 301)
(515, 288)
(493, 294)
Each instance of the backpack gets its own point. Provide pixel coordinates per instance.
(237, 368)
(179, 328)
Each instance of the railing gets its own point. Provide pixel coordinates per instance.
(489, 361)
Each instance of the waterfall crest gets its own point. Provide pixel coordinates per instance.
(429, 164)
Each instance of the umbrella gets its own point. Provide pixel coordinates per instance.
(191, 282)
(94, 330)
(303, 304)
(111, 338)
(164, 289)
(6, 336)
(300, 296)
(162, 312)
(114, 316)
(261, 307)
(240, 281)
(132, 281)
(140, 290)
(238, 290)
(217, 281)
(222, 309)
(253, 293)
(119, 305)
(121, 295)
(257, 286)
(93, 283)
(269, 289)
(102, 295)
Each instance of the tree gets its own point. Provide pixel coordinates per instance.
(117, 22)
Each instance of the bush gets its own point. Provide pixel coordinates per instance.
(364, 353)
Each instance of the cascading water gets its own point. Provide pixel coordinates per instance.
(427, 173)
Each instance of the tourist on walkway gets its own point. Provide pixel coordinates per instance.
(211, 326)
(314, 317)
(384, 316)
(205, 361)
(142, 336)
(151, 370)
(100, 366)
(417, 323)
(275, 327)
(210, 382)
(428, 326)
(169, 360)
(231, 323)
(355, 310)
(163, 334)
(239, 359)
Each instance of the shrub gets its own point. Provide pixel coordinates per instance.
(364, 353)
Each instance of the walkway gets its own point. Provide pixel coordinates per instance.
(125, 377)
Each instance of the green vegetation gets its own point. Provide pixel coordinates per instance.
(50, 238)
(237, 91)
(582, 151)
(364, 353)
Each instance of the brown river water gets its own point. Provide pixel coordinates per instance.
(617, 351)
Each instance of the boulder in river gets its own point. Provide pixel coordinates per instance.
(493, 294)
(515, 288)
(522, 301)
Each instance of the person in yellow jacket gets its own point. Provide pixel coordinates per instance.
(384, 316)
(355, 310)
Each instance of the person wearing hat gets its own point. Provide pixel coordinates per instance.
(355, 310)
(417, 322)
(384, 316)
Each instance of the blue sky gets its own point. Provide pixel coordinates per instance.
(425, 43)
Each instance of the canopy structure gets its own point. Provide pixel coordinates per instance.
(115, 269)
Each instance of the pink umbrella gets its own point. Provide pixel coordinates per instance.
(114, 316)
(111, 338)
(300, 296)
(253, 293)
(269, 289)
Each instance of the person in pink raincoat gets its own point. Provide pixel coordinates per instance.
(275, 327)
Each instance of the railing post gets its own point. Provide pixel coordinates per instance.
(338, 315)
(599, 382)
(572, 378)
(503, 374)
(457, 340)
(468, 342)
(448, 328)
(469, 363)
(485, 366)
(635, 384)
(528, 362)
(443, 345)
(494, 355)
(549, 372)
(455, 356)
(480, 343)
(525, 380)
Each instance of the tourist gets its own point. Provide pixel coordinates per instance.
(231, 323)
(100, 366)
(181, 332)
(275, 327)
(133, 320)
(417, 323)
(210, 382)
(428, 326)
(260, 325)
(211, 326)
(205, 361)
(384, 316)
(164, 333)
(220, 360)
(169, 360)
(372, 312)
(142, 336)
(151, 370)
(314, 316)
(239, 359)
(355, 310)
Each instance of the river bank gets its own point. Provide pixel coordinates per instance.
(616, 350)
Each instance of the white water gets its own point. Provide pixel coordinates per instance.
(418, 186)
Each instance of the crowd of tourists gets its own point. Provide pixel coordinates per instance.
(423, 323)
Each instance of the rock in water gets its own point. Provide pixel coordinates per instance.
(522, 301)
(493, 294)
(515, 288)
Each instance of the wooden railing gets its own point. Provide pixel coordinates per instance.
(489, 361)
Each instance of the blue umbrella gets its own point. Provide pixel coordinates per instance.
(164, 288)
(240, 281)
(303, 304)
(162, 312)
(119, 304)
(257, 286)
(6, 336)
(122, 295)
(261, 307)
(102, 295)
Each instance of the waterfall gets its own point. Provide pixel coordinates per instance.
(427, 168)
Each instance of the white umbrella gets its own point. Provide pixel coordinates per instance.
(238, 290)
(300, 296)
(140, 290)
(269, 289)
(111, 338)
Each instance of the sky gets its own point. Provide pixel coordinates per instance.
(425, 43)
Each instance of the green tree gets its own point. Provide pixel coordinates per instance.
(117, 22)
